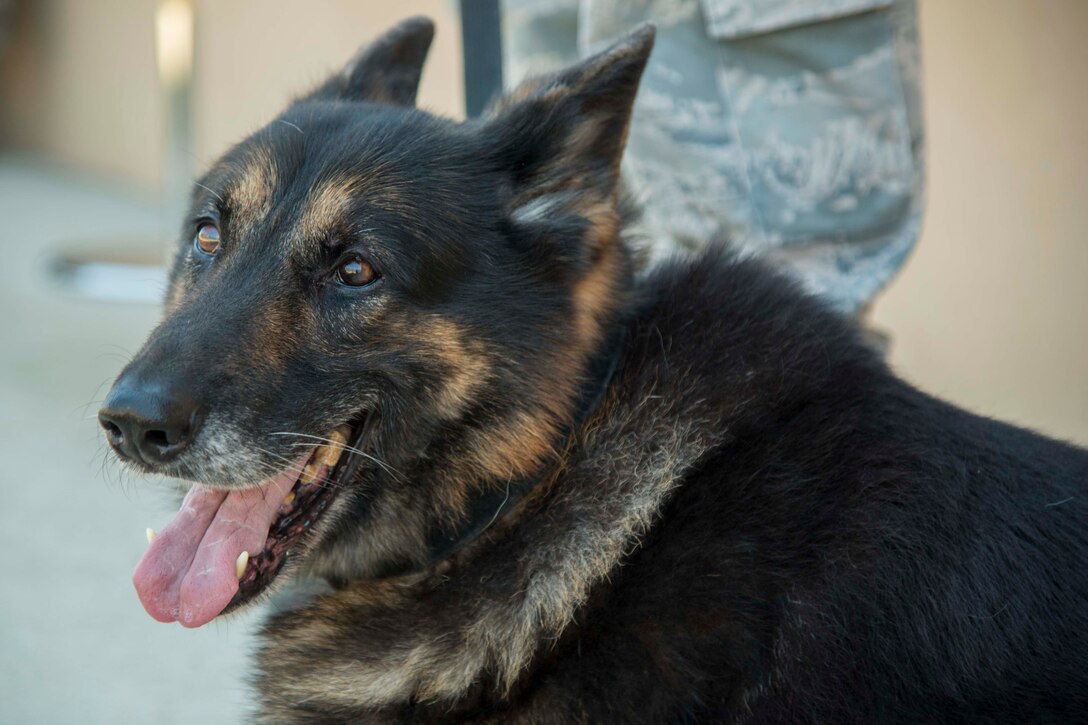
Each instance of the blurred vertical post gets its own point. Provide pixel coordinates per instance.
(174, 62)
(482, 41)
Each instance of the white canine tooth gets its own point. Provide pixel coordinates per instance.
(289, 499)
(240, 564)
(309, 473)
(151, 534)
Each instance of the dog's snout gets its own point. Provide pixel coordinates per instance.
(148, 422)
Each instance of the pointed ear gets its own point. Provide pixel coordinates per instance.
(385, 71)
(561, 138)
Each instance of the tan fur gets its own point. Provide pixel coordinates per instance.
(467, 367)
(252, 192)
(515, 447)
(467, 363)
(595, 294)
(525, 441)
(327, 205)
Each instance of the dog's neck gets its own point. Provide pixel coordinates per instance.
(558, 406)
(490, 505)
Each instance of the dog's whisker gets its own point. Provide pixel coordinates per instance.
(373, 459)
(270, 471)
(342, 446)
(94, 397)
(123, 350)
(273, 454)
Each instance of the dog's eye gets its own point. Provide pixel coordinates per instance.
(206, 240)
(355, 272)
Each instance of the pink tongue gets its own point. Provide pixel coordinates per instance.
(188, 573)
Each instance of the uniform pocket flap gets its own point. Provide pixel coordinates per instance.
(731, 19)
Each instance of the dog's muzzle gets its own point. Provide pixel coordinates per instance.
(149, 423)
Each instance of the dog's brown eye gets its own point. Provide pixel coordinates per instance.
(207, 239)
(354, 272)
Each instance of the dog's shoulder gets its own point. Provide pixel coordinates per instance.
(842, 510)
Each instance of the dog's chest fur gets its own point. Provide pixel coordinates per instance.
(759, 523)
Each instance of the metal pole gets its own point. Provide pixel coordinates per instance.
(482, 40)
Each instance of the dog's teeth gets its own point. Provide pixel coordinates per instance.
(151, 534)
(309, 473)
(331, 453)
(289, 499)
(328, 455)
(240, 564)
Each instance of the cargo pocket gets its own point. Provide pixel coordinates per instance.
(815, 89)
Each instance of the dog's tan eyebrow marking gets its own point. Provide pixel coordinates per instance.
(253, 187)
(327, 205)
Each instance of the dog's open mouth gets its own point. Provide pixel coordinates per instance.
(223, 547)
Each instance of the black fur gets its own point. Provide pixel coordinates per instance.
(846, 550)
(855, 551)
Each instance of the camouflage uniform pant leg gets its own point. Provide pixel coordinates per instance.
(791, 128)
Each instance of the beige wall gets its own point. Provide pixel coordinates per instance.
(254, 55)
(990, 311)
(80, 81)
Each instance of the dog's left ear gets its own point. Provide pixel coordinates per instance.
(561, 138)
(385, 71)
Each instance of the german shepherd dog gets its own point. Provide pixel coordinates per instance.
(416, 361)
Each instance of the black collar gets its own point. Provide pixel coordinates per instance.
(489, 506)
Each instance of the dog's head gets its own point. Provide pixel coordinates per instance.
(374, 312)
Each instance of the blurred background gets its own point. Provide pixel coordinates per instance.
(98, 134)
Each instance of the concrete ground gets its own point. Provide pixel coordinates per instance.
(75, 644)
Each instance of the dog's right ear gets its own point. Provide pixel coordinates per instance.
(385, 71)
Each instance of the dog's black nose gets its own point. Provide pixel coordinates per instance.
(148, 422)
